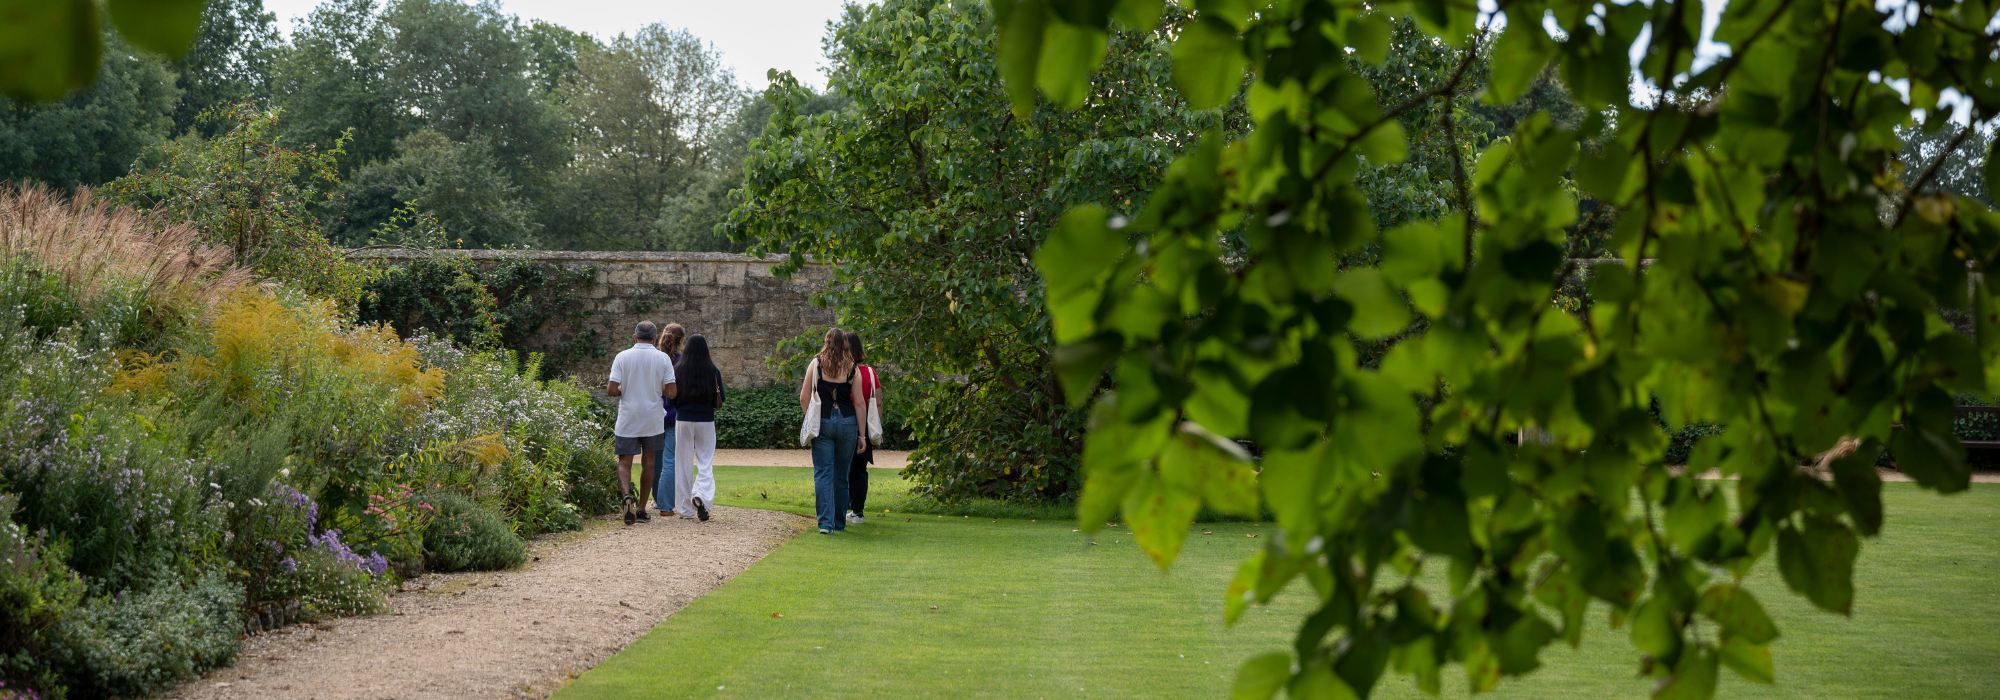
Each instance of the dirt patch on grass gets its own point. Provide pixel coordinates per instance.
(508, 634)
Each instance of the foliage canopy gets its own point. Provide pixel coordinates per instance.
(1784, 301)
(933, 196)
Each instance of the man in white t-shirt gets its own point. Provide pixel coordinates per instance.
(640, 376)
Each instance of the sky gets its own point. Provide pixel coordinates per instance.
(753, 35)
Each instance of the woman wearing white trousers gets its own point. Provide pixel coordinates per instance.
(700, 393)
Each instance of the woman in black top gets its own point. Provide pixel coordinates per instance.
(829, 390)
(701, 392)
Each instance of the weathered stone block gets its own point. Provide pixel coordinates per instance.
(730, 274)
(701, 273)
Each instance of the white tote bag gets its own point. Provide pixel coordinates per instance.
(809, 428)
(874, 407)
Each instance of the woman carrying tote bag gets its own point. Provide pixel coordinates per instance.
(829, 427)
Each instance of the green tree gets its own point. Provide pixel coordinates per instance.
(930, 195)
(464, 69)
(693, 218)
(1546, 94)
(1783, 303)
(230, 63)
(91, 136)
(457, 184)
(552, 51)
(249, 191)
(1417, 186)
(647, 108)
(457, 69)
(333, 80)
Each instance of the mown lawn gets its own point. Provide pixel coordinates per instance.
(790, 489)
(1028, 609)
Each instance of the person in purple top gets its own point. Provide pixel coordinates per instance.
(671, 338)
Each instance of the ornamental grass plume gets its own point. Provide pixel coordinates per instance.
(88, 243)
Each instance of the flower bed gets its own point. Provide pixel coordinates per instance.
(244, 462)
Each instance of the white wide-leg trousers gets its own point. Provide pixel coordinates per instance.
(694, 466)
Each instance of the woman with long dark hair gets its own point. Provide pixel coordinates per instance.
(869, 407)
(700, 393)
(827, 396)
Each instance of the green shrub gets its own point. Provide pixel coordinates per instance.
(130, 506)
(36, 591)
(593, 479)
(135, 644)
(991, 443)
(768, 418)
(759, 419)
(556, 468)
(131, 511)
(465, 536)
(442, 295)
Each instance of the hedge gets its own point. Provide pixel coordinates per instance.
(768, 418)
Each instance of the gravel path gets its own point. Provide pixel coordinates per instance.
(508, 634)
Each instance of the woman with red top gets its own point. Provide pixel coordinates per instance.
(870, 410)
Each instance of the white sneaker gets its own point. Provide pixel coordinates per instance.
(853, 517)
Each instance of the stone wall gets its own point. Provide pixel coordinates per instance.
(734, 300)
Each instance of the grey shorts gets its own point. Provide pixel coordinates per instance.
(638, 445)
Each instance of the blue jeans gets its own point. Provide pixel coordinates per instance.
(833, 453)
(663, 469)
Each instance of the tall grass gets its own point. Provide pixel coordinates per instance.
(74, 259)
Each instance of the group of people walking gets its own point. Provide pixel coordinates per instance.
(668, 390)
